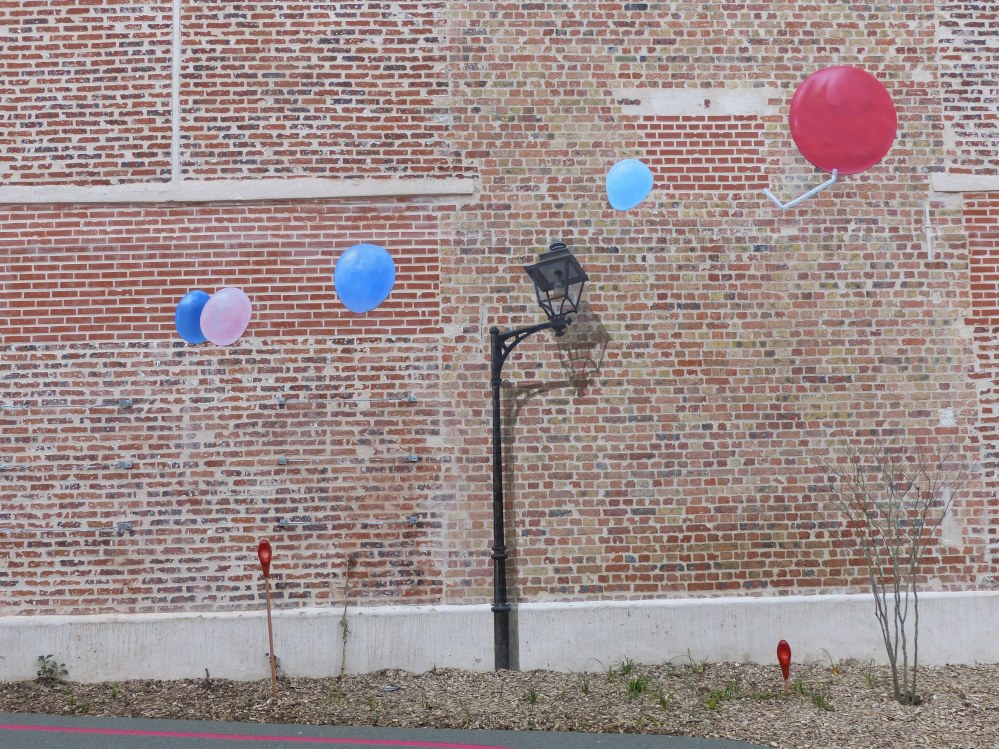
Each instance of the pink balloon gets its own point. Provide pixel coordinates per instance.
(225, 316)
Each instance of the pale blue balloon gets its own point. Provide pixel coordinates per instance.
(363, 277)
(629, 182)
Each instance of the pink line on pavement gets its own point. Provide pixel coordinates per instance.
(245, 737)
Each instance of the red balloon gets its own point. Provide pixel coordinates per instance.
(784, 658)
(264, 555)
(843, 118)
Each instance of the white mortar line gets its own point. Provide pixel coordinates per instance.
(928, 231)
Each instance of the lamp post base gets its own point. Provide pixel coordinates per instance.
(501, 635)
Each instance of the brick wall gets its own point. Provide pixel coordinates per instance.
(323, 446)
(670, 445)
(739, 342)
(969, 62)
(117, 272)
(708, 153)
(86, 92)
(310, 89)
(981, 213)
(88, 323)
(95, 91)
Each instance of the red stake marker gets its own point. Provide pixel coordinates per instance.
(784, 659)
(264, 555)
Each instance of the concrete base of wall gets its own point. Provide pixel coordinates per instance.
(954, 628)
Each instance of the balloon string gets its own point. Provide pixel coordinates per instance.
(814, 191)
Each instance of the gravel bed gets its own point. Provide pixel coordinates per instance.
(846, 705)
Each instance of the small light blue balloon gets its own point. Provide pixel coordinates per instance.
(363, 277)
(628, 183)
(188, 316)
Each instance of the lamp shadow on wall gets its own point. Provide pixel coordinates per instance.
(582, 348)
(581, 351)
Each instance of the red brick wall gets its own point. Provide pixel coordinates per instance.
(223, 449)
(730, 345)
(117, 272)
(705, 153)
(86, 92)
(981, 215)
(310, 89)
(264, 90)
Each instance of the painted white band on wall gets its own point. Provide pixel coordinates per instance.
(222, 191)
(948, 182)
(954, 628)
(677, 102)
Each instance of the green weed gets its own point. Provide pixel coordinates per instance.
(696, 666)
(833, 668)
(622, 668)
(820, 700)
(374, 713)
(717, 696)
(50, 670)
(664, 702)
(637, 686)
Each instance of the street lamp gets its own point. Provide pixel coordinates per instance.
(558, 282)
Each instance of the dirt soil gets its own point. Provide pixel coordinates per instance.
(843, 706)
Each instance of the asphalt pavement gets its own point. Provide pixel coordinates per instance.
(28, 731)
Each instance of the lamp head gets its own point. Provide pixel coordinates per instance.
(558, 282)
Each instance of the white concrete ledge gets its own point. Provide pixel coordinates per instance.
(198, 191)
(308, 642)
(965, 182)
(954, 628)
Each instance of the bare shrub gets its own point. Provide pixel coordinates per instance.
(895, 495)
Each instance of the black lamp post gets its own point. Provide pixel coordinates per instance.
(558, 281)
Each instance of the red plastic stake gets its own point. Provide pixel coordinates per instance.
(784, 658)
(264, 555)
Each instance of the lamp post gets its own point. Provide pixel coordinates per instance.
(558, 282)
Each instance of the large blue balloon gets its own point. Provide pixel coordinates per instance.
(628, 183)
(363, 277)
(188, 316)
